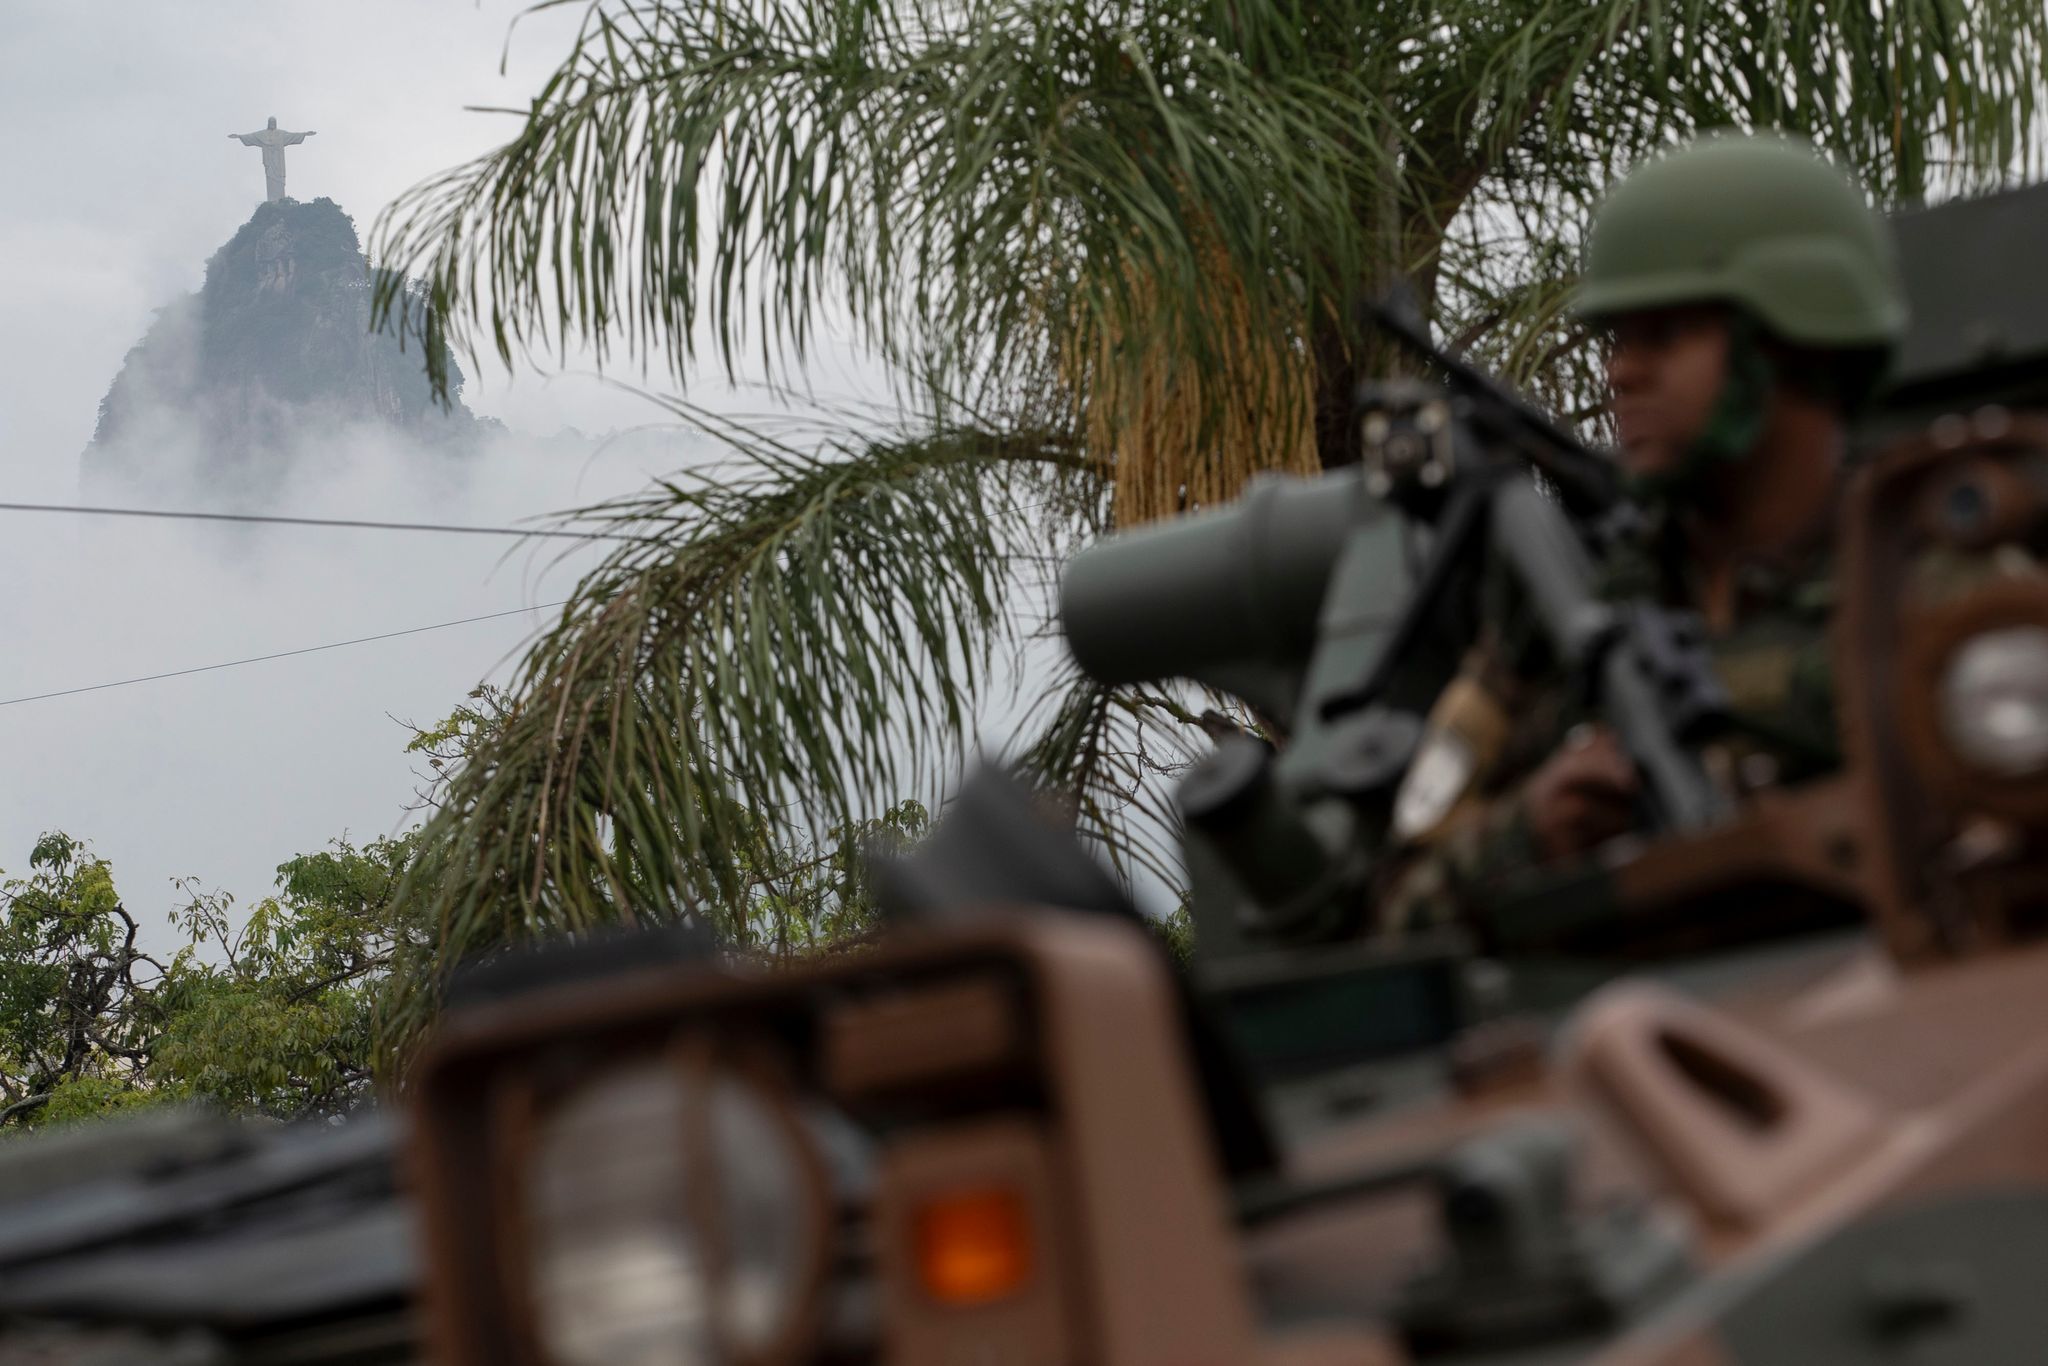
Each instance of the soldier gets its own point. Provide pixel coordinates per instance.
(1748, 301)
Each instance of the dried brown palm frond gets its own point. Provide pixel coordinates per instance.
(1177, 426)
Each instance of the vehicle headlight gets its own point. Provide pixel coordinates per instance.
(1994, 701)
(671, 1217)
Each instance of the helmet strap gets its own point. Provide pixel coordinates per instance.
(1734, 424)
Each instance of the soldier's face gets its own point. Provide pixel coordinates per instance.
(1665, 368)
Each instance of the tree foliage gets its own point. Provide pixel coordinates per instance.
(77, 996)
(1148, 218)
(269, 1016)
(274, 1008)
(769, 888)
(275, 1014)
(821, 895)
(1111, 248)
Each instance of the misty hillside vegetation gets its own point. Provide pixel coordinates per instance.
(277, 343)
(269, 1007)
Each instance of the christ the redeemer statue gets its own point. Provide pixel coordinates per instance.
(273, 140)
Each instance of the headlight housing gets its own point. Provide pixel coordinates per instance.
(1994, 701)
(915, 1152)
(672, 1218)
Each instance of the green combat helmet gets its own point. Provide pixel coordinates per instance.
(1760, 222)
(1765, 225)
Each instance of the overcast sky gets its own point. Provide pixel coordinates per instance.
(117, 181)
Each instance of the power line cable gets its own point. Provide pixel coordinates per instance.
(371, 524)
(364, 524)
(281, 654)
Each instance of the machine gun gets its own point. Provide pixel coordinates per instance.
(1309, 601)
(1644, 661)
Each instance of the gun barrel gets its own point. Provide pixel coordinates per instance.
(1557, 574)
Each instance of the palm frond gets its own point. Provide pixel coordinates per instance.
(791, 640)
(1151, 215)
(967, 181)
(1107, 755)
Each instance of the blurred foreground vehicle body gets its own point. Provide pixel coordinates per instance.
(184, 1238)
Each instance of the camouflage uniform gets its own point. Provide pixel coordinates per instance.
(1765, 229)
(1774, 663)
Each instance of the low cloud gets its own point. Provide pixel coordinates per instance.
(221, 775)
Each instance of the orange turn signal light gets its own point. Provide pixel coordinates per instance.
(973, 1246)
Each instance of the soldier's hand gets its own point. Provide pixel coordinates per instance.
(1582, 796)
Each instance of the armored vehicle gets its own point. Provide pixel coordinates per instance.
(1768, 1087)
